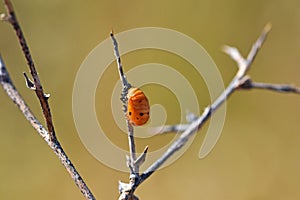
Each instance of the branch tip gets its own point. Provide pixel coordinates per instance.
(267, 27)
(235, 55)
(111, 33)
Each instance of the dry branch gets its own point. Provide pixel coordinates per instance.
(283, 88)
(126, 86)
(133, 162)
(48, 135)
(238, 82)
(244, 65)
(10, 17)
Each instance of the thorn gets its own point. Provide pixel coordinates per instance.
(47, 96)
(141, 159)
(28, 82)
(4, 17)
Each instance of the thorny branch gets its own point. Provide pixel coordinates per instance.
(133, 162)
(126, 86)
(7, 84)
(43, 98)
(240, 81)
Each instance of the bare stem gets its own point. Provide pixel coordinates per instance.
(12, 19)
(126, 86)
(123, 78)
(49, 136)
(283, 88)
(54, 144)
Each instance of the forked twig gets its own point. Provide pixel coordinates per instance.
(244, 65)
(197, 122)
(240, 81)
(48, 135)
(133, 162)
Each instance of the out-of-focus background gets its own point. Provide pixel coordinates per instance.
(257, 156)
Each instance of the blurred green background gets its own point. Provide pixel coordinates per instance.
(257, 156)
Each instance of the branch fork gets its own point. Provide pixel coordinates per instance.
(240, 81)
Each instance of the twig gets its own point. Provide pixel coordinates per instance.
(127, 190)
(240, 81)
(177, 128)
(244, 65)
(249, 84)
(133, 162)
(12, 92)
(126, 86)
(49, 136)
(123, 78)
(43, 98)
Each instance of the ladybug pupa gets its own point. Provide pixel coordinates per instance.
(138, 107)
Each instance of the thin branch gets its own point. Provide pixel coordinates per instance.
(178, 144)
(284, 88)
(49, 136)
(126, 86)
(12, 92)
(120, 67)
(177, 128)
(244, 66)
(276, 87)
(12, 19)
(257, 45)
(246, 83)
(133, 163)
(239, 81)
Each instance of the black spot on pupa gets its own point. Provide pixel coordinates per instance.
(129, 113)
(141, 114)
